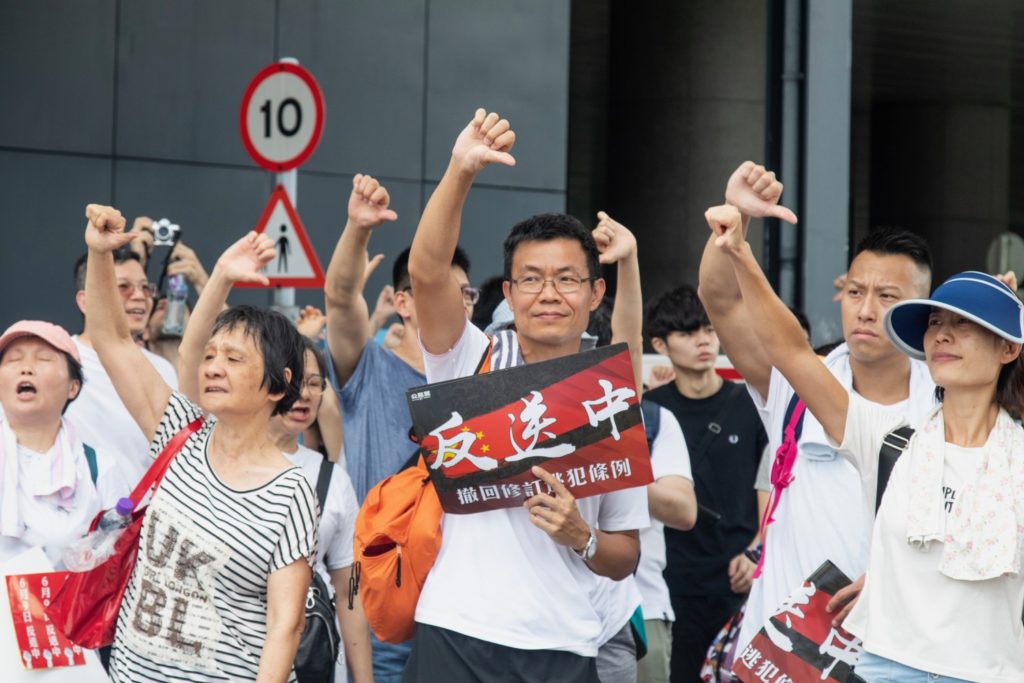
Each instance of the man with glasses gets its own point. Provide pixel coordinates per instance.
(511, 595)
(371, 379)
(98, 415)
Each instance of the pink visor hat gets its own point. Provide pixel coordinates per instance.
(54, 335)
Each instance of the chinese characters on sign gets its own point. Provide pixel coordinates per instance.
(799, 643)
(41, 645)
(577, 417)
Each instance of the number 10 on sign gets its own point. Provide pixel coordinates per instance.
(282, 116)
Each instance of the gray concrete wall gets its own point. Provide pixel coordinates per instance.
(135, 103)
(686, 107)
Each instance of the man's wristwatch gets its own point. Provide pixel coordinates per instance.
(587, 552)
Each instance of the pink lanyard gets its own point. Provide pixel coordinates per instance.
(782, 473)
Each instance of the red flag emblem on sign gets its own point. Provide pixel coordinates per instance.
(577, 417)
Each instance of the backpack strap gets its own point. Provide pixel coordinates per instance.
(652, 421)
(893, 445)
(323, 483)
(90, 457)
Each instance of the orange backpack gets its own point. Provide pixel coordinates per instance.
(397, 538)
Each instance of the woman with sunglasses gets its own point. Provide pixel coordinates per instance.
(219, 587)
(944, 589)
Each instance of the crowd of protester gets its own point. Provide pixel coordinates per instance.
(293, 422)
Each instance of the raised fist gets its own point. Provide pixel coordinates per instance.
(486, 140)
(726, 223)
(105, 230)
(243, 260)
(614, 240)
(368, 203)
(755, 191)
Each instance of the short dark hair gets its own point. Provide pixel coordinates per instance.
(121, 255)
(892, 241)
(677, 310)
(279, 343)
(491, 296)
(321, 364)
(75, 373)
(552, 226)
(600, 324)
(400, 271)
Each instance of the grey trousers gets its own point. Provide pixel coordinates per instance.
(616, 660)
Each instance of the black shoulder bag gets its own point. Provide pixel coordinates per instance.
(318, 648)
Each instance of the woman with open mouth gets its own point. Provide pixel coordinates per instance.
(51, 484)
(337, 516)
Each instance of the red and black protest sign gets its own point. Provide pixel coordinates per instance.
(799, 644)
(578, 417)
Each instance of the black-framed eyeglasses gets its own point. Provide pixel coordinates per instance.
(563, 284)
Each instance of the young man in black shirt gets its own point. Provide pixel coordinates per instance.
(708, 574)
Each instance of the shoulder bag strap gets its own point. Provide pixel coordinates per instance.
(893, 445)
(90, 459)
(163, 461)
(323, 483)
(652, 421)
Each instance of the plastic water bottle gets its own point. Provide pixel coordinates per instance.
(174, 317)
(94, 548)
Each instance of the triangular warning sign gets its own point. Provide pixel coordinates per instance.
(296, 264)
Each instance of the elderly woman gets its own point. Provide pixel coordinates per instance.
(944, 589)
(51, 484)
(229, 539)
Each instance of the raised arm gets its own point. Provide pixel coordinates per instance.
(241, 262)
(755, 192)
(617, 245)
(440, 312)
(138, 384)
(348, 319)
(780, 335)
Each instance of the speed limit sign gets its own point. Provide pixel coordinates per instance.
(282, 116)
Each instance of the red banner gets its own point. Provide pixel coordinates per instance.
(799, 644)
(41, 645)
(577, 417)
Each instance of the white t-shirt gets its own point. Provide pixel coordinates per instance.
(822, 515)
(909, 611)
(669, 457)
(101, 419)
(337, 525)
(50, 524)
(498, 577)
(195, 608)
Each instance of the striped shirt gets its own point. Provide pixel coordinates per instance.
(196, 606)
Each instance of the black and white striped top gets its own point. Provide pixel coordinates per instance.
(196, 605)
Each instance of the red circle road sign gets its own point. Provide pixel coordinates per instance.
(282, 116)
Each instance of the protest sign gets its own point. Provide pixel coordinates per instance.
(41, 645)
(577, 417)
(799, 644)
(33, 567)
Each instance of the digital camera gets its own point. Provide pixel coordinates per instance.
(165, 233)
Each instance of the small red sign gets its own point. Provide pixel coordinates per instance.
(41, 645)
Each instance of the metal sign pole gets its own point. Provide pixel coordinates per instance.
(282, 299)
